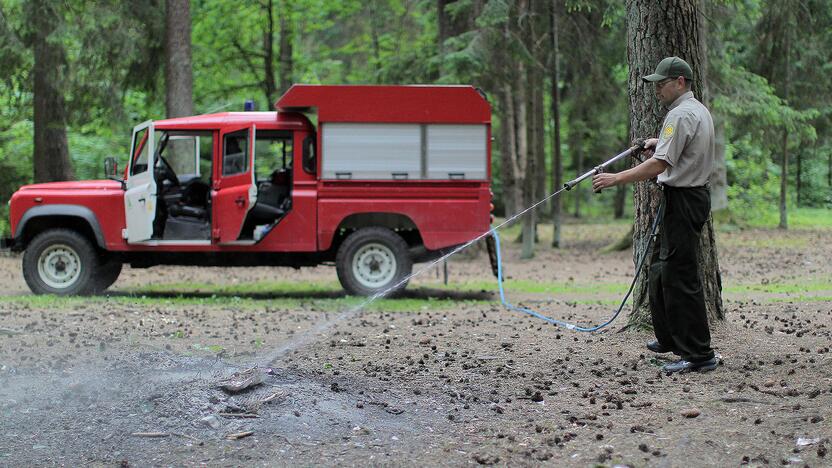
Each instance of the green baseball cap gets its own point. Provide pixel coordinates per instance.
(671, 67)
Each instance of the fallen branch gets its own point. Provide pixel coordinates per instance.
(186, 436)
(239, 435)
(272, 397)
(9, 332)
(238, 415)
(150, 434)
(240, 381)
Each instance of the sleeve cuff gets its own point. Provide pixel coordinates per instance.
(664, 158)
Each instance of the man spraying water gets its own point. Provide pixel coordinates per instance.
(682, 157)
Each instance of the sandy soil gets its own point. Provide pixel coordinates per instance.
(458, 380)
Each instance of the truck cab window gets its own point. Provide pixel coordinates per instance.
(235, 153)
(273, 164)
(272, 154)
(309, 161)
(139, 153)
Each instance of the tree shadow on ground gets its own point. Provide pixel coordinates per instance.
(415, 293)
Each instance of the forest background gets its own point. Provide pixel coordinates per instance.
(555, 73)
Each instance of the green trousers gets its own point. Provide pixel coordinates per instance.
(677, 301)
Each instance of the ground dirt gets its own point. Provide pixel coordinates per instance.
(456, 380)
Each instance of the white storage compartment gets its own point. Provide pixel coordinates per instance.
(456, 152)
(371, 151)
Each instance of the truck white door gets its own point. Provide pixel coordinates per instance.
(140, 197)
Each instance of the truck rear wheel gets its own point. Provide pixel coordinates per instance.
(60, 261)
(373, 260)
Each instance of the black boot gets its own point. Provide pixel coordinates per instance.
(656, 347)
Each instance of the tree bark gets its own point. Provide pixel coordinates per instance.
(798, 174)
(784, 177)
(178, 73)
(719, 175)
(51, 151)
(269, 83)
(525, 159)
(619, 201)
(578, 154)
(538, 38)
(508, 154)
(557, 161)
(287, 64)
(784, 166)
(656, 30)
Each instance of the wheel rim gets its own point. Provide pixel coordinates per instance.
(59, 266)
(374, 265)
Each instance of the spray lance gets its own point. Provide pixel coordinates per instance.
(492, 240)
(634, 151)
(493, 243)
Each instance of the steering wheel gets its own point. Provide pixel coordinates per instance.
(167, 171)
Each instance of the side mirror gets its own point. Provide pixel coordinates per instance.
(111, 171)
(110, 167)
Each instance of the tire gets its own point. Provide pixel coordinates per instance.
(373, 260)
(109, 270)
(62, 262)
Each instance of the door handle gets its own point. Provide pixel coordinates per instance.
(240, 201)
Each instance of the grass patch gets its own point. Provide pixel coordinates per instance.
(240, 303)
(781, 288)
(261, 287)
(798, 218)
(767, 242)
(327, 296)
(800, 298)
(535, 287)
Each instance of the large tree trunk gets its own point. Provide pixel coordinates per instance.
(287, 64)
(538, 37)
(452, 25)
(51, 158)
(557, 162)
(178, 74)
(619, 202)
(578, 154)
(524, 161)
(269, 83)
(719, 175)
(798, 174)
(784, 177)
(784, 166)
(656, 30)
(525, 150)
(508, 154)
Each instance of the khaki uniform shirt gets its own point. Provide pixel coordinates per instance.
(686, 143)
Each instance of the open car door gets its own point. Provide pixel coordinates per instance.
(235, 190)
(140, 196)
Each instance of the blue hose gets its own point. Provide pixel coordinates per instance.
(567, 325)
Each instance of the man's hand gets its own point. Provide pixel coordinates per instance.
(602, 181)
(649, 147)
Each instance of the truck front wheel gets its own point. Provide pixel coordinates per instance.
(373, 260)
(109, 269)
(60, 261)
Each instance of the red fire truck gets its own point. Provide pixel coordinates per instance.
(368, 178)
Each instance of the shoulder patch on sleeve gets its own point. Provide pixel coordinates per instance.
(668, 131)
